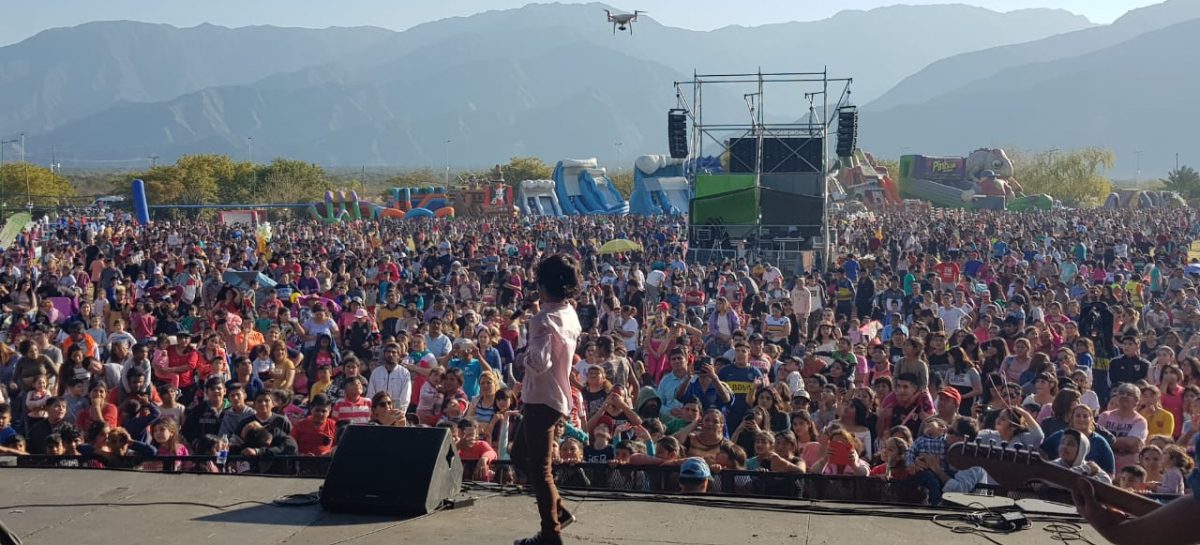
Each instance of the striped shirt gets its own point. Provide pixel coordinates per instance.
(355, 412)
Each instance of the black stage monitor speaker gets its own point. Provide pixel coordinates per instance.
(677, 133)
(847, 132)
(392, 471)
(786, 154)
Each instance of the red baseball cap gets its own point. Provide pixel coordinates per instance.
(952, 394)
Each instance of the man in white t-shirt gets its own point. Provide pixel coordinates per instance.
(629, 328)
(654, 282)
(771, 273)
(951, 315)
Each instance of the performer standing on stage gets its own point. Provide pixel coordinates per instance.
(546, 390)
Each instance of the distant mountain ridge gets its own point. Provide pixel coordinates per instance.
(948, 74)
(1135, 96)
(63, 74)
(497, 84)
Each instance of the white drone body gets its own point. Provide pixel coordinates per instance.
(623, 21)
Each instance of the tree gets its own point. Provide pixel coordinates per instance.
(520, 169)
(623, 181)
(1183, 180)
(292, 181)
(1073, 177)
(43, 187)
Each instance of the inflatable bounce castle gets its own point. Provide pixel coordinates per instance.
(537, 198)
(584, 188)
(659, 187)
(420, 202)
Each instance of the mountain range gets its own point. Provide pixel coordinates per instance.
(1126, 87)
(552, 80)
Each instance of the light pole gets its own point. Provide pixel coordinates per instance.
(1138, 154)
(446, 180)
(619, 158)
(250, 149)
(25, 168)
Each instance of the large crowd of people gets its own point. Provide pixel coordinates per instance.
(1076, 332)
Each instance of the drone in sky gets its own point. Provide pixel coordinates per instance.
(623, 21)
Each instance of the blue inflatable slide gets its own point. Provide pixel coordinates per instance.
(537, 198)
(659, 187)
(583, 188)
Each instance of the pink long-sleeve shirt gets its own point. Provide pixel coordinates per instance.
(548, 357)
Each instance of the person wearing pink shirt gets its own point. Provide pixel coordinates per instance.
(546, 391)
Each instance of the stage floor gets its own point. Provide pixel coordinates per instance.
(53, 507)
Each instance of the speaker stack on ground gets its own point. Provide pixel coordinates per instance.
(386, 470)
(792, 199)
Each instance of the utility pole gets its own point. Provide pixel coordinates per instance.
(446, 182)
(1139, 153)
(25, 166)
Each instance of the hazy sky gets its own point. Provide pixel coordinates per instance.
(22, 19)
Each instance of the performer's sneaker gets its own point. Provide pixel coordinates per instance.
(539, 539)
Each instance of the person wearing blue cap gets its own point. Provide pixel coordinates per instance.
(694, 476)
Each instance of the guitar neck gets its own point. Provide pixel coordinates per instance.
(1117, 498)
(1015, 467)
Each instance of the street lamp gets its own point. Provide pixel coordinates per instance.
(446, 181)
(250, 149)
(25, 168)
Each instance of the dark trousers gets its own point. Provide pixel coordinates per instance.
(531, 450)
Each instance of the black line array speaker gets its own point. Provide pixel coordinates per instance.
(801, 183)
(677, 139)
(387, 470)
(786, 154)
(786, 208)
(847, 134)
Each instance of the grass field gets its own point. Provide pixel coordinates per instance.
(12, 228)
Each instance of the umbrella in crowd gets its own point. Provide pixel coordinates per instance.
(619, 245)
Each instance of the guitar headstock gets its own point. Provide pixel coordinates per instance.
(1011, 465)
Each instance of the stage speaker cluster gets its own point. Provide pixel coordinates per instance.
(780, 155)
(847, 133)
(677, 140)
(386, 470)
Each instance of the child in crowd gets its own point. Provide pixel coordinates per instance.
(35, 400)
(7, 433)
(454, 411)
(76, 397)
(1151, 458)
(600, 451)
(170, 403)
(322, 384)
(472, 449)
(430, 397)
(895, 456)
(929, 449)
(1178, 464)
(570, 451)
(1132, 478)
